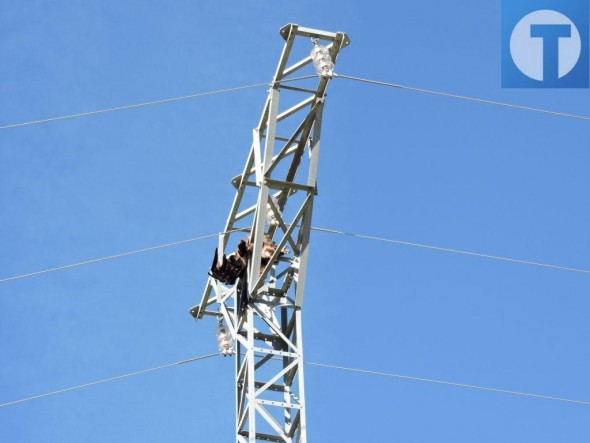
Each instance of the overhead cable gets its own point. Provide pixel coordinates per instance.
(258, 85)
(461, 97)
(447, 383)
(329, 231)
(106, 380)
(454, 251)
(151, 103)
(322, 365)
(113, 257)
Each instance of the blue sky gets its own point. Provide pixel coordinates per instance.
(394, 163)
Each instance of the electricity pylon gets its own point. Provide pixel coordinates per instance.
(274, 196)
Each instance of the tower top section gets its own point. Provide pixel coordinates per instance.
(292, 30)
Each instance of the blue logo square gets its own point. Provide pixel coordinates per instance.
(545, 43)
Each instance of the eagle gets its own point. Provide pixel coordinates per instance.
(233, 266)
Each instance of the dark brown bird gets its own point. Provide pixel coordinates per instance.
(234, 266)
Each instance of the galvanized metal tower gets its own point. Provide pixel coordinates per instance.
(274, 197)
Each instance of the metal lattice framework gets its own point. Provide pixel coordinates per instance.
(270, 399)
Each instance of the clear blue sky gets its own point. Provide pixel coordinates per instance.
(394, 163)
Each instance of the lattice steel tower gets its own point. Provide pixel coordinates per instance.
(274, 197)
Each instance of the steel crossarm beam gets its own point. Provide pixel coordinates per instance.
(272, 209)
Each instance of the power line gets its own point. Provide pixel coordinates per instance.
(137, 105)
(258, 85)
(151, 103)
(113, 257)
(462, 97)
(110, 257)
(329, 231)
(448, 383)
(106, 380)
(454, 251)
(322, 365)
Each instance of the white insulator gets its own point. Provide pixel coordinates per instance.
(322, 61)
(271, 217)
(317, 50)
(224, 340)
